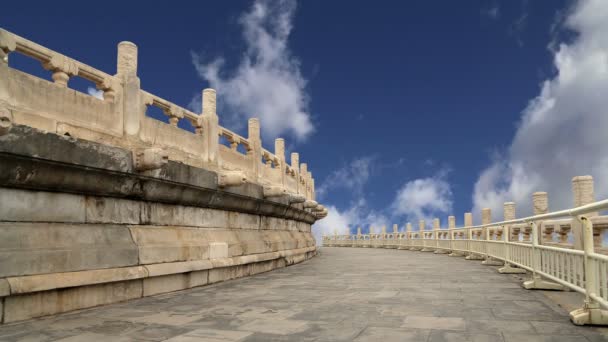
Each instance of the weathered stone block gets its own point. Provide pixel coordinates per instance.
(113, 210)
(27, 141)
(218, 250)
(38, 304)
(34, 248)
(217, 275)
(52, 281)
(167, 244)
(175, 215)
(168, 283)
(199, 278)
(243, 221)
(40, 206)
(275, 223)
(5, 289)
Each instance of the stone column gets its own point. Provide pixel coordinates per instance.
(468, 222)
(253, 135)
(7, 45)
(509, 211)
(279, 151)
(583, 193)
(295, 165)
(486, 216)
(212, 126)
(509, 214)
(540, 203)
(452, 234)
(304, 180)
(451, 222)
(134, 106)
(468, 219)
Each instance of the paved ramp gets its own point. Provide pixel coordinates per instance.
(344, 294)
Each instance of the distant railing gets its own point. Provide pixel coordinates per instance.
(119, 119)
(562, 249)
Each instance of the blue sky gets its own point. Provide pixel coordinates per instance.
(403, 110)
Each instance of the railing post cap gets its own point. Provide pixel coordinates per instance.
(582, 178)
(127, 43)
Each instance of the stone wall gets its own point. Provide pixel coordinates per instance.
(80, 226)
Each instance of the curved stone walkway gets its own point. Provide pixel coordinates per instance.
(344, 294)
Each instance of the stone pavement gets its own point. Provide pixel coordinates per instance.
(344, 294)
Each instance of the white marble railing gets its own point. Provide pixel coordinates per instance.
(562, 249)
(119, 118)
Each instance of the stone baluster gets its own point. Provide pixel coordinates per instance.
(583, 193)
(304, 179)
(451, 222)
(540, 205)
(279, 152)
(7, 45)
(509, 214)
(563, 232)
(255, 141)
(295, 166)
(472, 234)
(62, 68)
(134, 103)
(175, 114)
(547, 234)
(210, 127)
(430, 235)
(486, 218)
(421, 228)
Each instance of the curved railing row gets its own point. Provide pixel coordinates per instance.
(117, 116)
(562, 249)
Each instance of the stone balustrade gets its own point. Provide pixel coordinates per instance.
(562, 250)
(119, 119)
(100, 203)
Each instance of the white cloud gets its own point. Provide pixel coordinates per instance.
(347, 221)
(352, 176)
(424, 198)
(267, 83)
(563, 131)
(492, 12)
(96, 93)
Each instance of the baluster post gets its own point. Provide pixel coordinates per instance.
(540, 203)
(468, 222)
(134, 102)
(591, 312)
(583, 193)
(509, 214)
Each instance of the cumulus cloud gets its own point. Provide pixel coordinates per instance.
(562, 132)
(347, 221)
(424, 198)
(267, 83)
(352, 176)
(96, 93)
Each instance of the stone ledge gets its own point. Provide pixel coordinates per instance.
(45, 175)
(54, 281)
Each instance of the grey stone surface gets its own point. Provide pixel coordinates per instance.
(344, 294)
(27, 141)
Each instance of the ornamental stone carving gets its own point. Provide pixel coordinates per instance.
(150, 159)
(231, 178)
